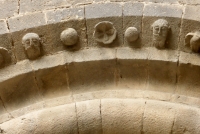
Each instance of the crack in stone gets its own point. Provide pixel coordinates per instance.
(86, 30)
(76, 118)
(101, 118)
(18, 7)
(142, 127)
(5, 108)
(117, 70)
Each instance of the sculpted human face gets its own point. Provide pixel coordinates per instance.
(31, 42)
(160, 32)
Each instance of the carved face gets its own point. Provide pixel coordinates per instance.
(193, 40)
(105, 32)
(31, 42)
(160, 32)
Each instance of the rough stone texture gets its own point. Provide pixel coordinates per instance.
(65, 14)
(164, 62)
(171, 13)
(186, 123)
(189, 2)
(122, 116)
(6, 42)
(19, 91)
(132, 65)
(8, 8)
(104, 12)
(63, 122)
(67, 18)
(89, 118)
(158, 118)
(50, 37)
(3, 27)
(190, 23)
(26, 21)
(188, 75)
(35, 5)
(164, 1)
(132, 17)
(85, 76)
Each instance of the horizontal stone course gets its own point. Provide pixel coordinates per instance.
(27, 21)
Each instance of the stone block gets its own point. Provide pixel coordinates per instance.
(3, 27)
(64, 121)
(164, 1)
(133, 69)
(81, 2)
(63, 19)
(26, 21)
(186, 120)
(6, 42)
(158, 117)
(162, 70)
(96, 13)
(61, 119)
(89, 118)
(35, 5)
(171, 13)
(122, 116)
(188, 75)
(60, 15)
(189, 2)
(19, 91)
(8, 8)
(132, 17)
(190, 23)
(91, 76)
(53, 82)
(156, 95)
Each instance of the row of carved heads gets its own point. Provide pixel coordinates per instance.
(105, 32)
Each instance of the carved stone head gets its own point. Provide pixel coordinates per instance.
(193, 41)
(160, 32)
(105, 32)
(31, 43)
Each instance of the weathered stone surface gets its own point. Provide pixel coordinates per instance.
(52, 82)
(164, 62)
(171, 13)
(190, 23)
(8, 8)
(45, 121)
(111, 12)
(3, 27)
(132, 65)
(164, 1)
(35, 5)
(90, 76)
(65, 14)
(158, 117)
(26, 21)
(21, 90)
(188, 75)
(132, 17)
(6, 42)
(122, 115)
(89, 118)
(189, 2)
(186, 123)
(67, 18)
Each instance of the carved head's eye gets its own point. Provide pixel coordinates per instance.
(27, 41)
(35, 40)
(156, 28)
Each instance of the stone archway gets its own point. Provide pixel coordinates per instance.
(107, 87)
